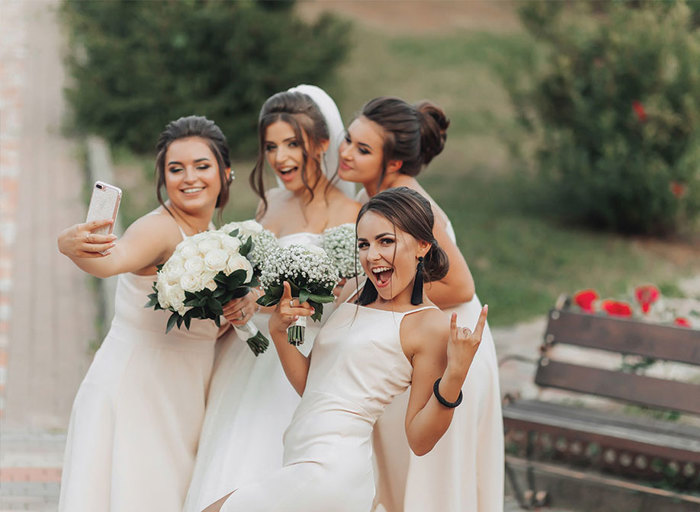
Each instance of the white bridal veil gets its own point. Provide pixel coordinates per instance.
(336, 131)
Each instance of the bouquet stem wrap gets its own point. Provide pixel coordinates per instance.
(295, 332)
(252, 336)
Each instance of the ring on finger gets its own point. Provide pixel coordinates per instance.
(291, 303)
(87, 237)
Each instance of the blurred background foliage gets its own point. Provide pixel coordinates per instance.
(137, 65)
(484, 63)
(613, 99)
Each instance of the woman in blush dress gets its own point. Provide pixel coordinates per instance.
(137, 415)
(366, 354)
(387, 146)
(250, 401)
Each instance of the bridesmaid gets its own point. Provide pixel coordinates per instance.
(250, 401)
(365, 355)
(387, 146)
(137, 415)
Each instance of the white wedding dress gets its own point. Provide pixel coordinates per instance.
(250, 404)
(464, 472)
(137, 416)
(357, 367)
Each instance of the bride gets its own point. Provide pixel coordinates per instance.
(250, 401)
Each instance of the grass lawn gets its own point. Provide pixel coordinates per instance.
(521, 260)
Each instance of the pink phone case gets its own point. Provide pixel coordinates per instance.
(104, 204)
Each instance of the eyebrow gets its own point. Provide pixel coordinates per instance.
(175, 162)
(381, 235)
(364, 145)
(288, 139)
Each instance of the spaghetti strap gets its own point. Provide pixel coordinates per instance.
(420, 309)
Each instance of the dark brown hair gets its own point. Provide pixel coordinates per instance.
(300, 112)
(194, 126)
(410, 212)
(414, 134)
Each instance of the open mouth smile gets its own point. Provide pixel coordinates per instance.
(382, 275)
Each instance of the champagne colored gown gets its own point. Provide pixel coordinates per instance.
(464, 472)
(250, 404)
(357, 367)
(137, 416)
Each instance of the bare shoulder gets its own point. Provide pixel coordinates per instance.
(425, 330)
(159, 228)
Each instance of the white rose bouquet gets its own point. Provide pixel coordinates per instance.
(205, 272)
(312, 276)
(340, 244)
(264, 242)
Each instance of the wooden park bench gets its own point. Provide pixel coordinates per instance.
(598, 453)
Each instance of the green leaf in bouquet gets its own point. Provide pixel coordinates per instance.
(236, 278)
(215, 306)
(318, 310)
(171, 322)
(217, 321)
(321, 298)
(295, 288)
(188, 318)
(246, 247)
(272, 296)
(179, 321)
(152, 301)
(303, 295)
(234, 233)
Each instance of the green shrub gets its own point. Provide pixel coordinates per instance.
(614, 104)
(137, 65)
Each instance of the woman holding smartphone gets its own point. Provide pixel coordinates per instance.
(388, 145)
(137, 416)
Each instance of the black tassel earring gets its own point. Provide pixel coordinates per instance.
(417, 294)
(368, 295)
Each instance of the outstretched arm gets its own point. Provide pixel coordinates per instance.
(147, 242)
(295, 364)
(449, 359)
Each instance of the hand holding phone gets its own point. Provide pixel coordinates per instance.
(104, 204)
(93, 239)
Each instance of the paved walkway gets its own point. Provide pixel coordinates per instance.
(46, 303)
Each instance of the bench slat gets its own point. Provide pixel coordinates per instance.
(682, 443)
(626, 336)
(639, 389)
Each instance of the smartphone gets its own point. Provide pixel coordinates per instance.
(104, 204)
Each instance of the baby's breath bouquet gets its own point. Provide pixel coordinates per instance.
(340, 244)
(312, 276)
(205, 272)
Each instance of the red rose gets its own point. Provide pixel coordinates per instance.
(584, 299)
(639, 110)
(617, 308)
(646, 296)
(682, 322)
